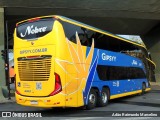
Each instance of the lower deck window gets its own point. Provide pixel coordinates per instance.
(119, 72)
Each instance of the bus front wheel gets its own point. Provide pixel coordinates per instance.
(104, 97)
(92, 99)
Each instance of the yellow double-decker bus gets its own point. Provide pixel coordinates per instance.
(60, 62)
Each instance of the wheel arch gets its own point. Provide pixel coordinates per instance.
(96, 89)
(106, 87)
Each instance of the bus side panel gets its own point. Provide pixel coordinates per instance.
(122, 87)
(71, 61)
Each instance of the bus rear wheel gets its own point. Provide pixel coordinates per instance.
(92, 99)
(104, 97)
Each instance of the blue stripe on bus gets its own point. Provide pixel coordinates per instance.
(90, 79)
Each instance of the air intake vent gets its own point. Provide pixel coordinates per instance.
(34, 69)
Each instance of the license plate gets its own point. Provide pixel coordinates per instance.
(34, 102)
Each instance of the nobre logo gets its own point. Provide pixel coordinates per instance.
(33, 30)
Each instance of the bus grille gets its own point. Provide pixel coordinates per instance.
(34, 69)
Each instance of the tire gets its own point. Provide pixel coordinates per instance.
(92, 100)
(143, 88)
(103, 98)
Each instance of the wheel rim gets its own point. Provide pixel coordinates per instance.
(92, 98)
(104, 97)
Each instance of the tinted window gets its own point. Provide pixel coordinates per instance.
(113, 44)
(34, 30)
(83, 33)
(119, 73)
(102, 41)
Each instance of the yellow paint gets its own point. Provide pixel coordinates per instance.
(77, 70)
(148, 89)
(69, 60)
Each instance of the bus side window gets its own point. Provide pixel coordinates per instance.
(70, 32)
(83, 39)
